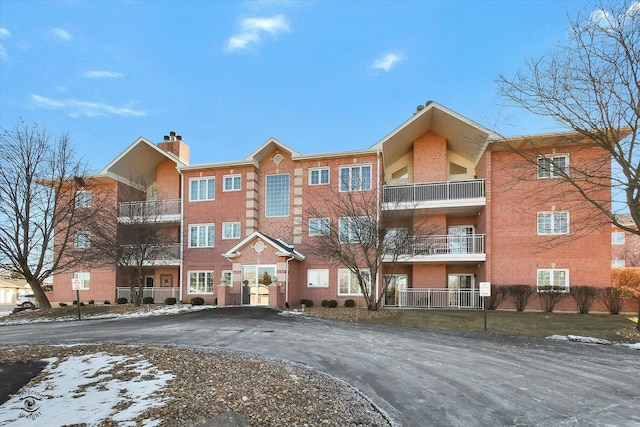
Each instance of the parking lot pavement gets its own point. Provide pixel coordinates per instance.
(13, 376)
(417, 377)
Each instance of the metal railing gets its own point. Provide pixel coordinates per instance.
(433, 191)
(448, 244)
(158, 294)
(434, 298)
(149, 209)
(152, 253)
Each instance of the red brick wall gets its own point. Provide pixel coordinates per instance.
(430, 158)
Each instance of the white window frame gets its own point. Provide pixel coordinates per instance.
(82, 240)
(551, 272)
(207, 236)
(223, 277)
(319, 171)
(617, 238)
(207, 181)
(549, 172)
(317, 278)
(617, 263)
(85, 278)
(83, 199)
(353, 282)
(232, 179)
(353, 233)
(236, 225)
(552, 229)
(266, 196)
(349, 186)
(322, 226)
(208, 275)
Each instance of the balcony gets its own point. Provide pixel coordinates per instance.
(441, 249)
(449, 197)
(150, 211)
(153, 256)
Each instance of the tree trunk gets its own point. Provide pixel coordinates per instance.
(638, 322)
(41, 297)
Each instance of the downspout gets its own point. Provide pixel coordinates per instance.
(286, 281)
(378, 221)
(180, 280)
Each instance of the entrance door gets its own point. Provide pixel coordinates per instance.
(397, 284)
(461, 239)
(255, 283)
(459, 286)
(149, 281)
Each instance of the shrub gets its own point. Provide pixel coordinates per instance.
(332, 303)
(147, 300)
(499, 293)
(613, 299)
(584, 296)
(62, 304)
(309, 303)
(170, 301)
(106, 302)
(75, 302)
(549, 297)
(349, 303)
(197, 301)
(324, 302)
(520, 295)
(122, 300)
(303, 301)
(91, 302)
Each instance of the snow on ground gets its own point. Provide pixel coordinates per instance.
(88, 389)
(152, 311)
(590, 340)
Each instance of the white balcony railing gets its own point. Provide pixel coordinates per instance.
(166, 254)
(433, 191)
(443, 245)
(435, 298)
(150, 210)
(158, 294)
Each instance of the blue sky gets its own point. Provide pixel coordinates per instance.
(319, 76)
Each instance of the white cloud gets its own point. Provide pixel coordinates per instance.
(76, 108)
(4, 33)
(61, 34)
(253, 28)
(387, 61)
(102, 74)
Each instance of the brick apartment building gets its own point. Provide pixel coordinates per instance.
(491, 214)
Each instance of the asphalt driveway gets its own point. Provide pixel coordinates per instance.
(416, 377)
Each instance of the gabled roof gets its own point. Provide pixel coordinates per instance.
(269, 146)
(138, 162)
(284, 249)
(463, 136)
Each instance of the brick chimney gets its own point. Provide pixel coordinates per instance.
(173, 144)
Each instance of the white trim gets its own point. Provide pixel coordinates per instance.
(550, 157)
(231, 176)
(206, 179)
(266, 195)
(553, 232)
(325, 273)
(358, 165)
(319, 227)
(224, 224)
(197, 272)
(351, 276)
(207, 245)
(319, 170)
(551, 277)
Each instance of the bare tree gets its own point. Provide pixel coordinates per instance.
(350, 229)
(132, 237)
(591, 85)
(40, 179)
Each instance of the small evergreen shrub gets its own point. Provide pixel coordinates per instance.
(349, 303)
(62, 304)
(147, 300)
(170, 301)
(520, 295)
(332, 303)
(122, 300)
(197, 301)
(584, 296)
(324, 302)
(106, 302)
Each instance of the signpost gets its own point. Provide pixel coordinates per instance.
(485, 291)
(76, 285)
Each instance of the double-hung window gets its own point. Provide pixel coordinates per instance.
(348, 283)
(355, 178)
(553, 278)
(232, 183)
(556, 222)
(354, 229)
(201, 235)
(201, 282)
(277, 195)
(617, 238)
(553, 166)
(83, 199)
(319, 226)
(319, 176)
(202, 189)
(82, 240)
(230, 230)
(318, 278)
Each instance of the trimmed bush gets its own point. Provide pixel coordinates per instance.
(62, 304)
(549, 297)
(75, 302)
(303, 301)
(147, 300)
(106, 302)
(309, 303)
(499, 294)
(170, 301)
(332, 303)
(349, 303)
(520, 295)
(613, 299)
(197, 301)
(92, 302)
(324, 302)
(122, 300)
(584, 296)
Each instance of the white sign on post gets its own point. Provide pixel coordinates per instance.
(76, 284)
(485, 289)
